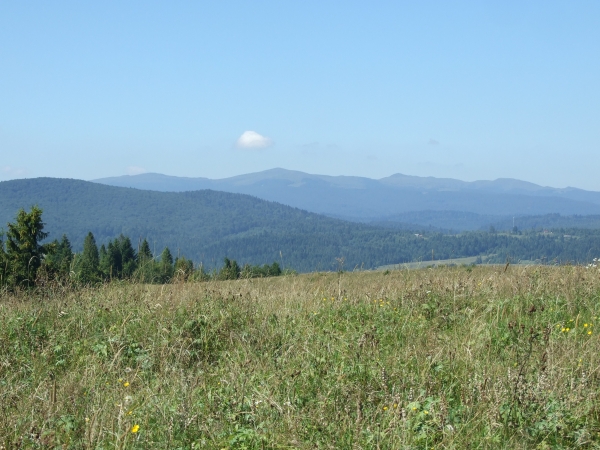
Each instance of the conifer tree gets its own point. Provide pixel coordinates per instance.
(24, 253)
(59, 262)
(128, 256)
(183, 268)
(146, 264)
(166, 265)
(145, 253)
(89, 263)
(230, 270)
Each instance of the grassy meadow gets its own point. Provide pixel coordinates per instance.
(450, 358)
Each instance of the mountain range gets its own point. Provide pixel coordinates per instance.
(392, 201)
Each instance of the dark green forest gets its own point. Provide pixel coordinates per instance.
(204, 227)
(27, 262)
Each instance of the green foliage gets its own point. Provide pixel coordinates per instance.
(88, 263)
(183, 268)
(230, 270)
(266, 270)
(147, 267)
(24, 253)
(120, 259)
(165, 266)
(59, 262)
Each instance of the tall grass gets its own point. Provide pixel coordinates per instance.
(434, 358)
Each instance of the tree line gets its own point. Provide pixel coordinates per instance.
(25, 261)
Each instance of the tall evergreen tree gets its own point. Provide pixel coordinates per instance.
(145, 254)
(24, 253)
(59, 262)
(104, 266)
(120, 260)
(166, 265)
(146, 265)
(128, 256)
(89, 263)
(114, 262)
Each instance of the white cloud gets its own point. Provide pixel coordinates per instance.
(135, 170)
(253, 140)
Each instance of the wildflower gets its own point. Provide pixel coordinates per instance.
(426, 412)
(589, 332)
(126, 384)
(395, 405)
(385, 408)
(120, 380)
(87, 419)
(135, 428)
(585, 325)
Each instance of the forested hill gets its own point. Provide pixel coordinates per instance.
(203, 225)
(207, 225)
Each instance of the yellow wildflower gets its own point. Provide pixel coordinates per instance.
(126, 384)
(135, 428)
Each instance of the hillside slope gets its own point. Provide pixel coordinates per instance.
(208, 225)
(204, 225)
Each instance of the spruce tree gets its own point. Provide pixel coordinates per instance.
(145, 253)
(166, 265)
(183, 268)
(146, 266)
(24, 253)
(59, 261)
(89, 263)
(128, 257)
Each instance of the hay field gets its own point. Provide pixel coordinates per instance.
(433, 358)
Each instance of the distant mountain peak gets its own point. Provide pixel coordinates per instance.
(361, 198)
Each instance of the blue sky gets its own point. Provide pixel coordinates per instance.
(470, 90)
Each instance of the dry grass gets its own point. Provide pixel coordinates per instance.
(444, 358)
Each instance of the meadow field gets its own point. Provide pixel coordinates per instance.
(447, 357)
